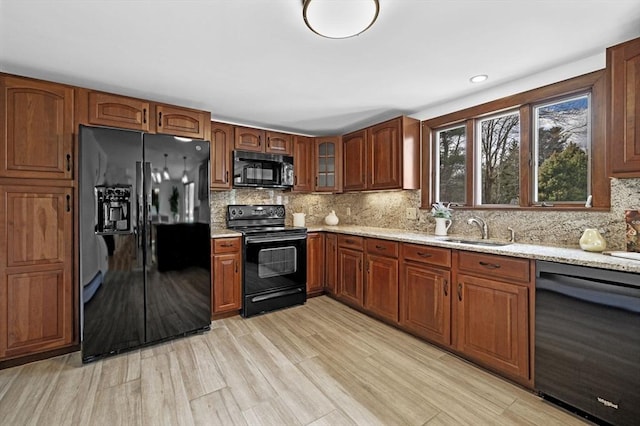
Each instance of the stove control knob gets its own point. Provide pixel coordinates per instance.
(233, 212)
(240, 212)
(280, 212)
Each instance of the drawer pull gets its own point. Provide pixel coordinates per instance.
(423, 254)
(349, 241)
(380, 247)
(226, 245)
(489, 265)
(460, 292)
(446, 287)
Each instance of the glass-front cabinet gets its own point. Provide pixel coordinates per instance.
(328, 166)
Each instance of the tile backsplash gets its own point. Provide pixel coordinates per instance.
(389, 210)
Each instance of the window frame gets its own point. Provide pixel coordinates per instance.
(593, 83)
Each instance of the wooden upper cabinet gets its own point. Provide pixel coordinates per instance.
(354, 149)
(36, 129)
(189, 123)
(384, 166)
(221, 147)
(384, 156)
(623, 68)
(303, 164)
(36, 279)
(117, 111)
(249, 139)
(279, 143)
(328, 164)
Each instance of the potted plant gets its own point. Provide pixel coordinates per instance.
(173, 202)
(442, 214)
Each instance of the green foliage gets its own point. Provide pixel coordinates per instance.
(173, 200)
(563, 176)
(500, 147)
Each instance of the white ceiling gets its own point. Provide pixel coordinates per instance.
(254, 62)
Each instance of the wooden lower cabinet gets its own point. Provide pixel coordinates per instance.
(381, 286)
(492, 324)
(226, 275)
(331, 263)
(36, 279)
(425, 302)
(350, 277)
(315, 263)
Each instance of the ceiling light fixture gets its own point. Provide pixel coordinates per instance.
(185, 178)
(479, 78)
(339, 19)
(165, 171)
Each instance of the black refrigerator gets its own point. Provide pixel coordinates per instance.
(145, 270)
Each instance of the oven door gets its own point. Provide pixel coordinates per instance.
(275, 272)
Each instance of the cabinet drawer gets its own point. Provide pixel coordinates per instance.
(425, 254)
(356, 243)
(226, 245)
(382, 247)
(494, 266)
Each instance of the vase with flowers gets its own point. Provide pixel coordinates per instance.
(442, 214)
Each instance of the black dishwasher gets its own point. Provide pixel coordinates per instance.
(587, 340)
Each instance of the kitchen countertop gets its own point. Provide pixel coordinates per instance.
(528, 251)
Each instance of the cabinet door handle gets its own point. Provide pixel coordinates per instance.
(368, 267)
(360, 264)
(268, 142)
(446, 287)
(68, 202)
(68, 162)
(144, 115)
(316, 180)
(423, 254)
(460, 292)
(259, 140)
(160, 119)
(226, 177)
(380, 247)
(489, 265)
(295, 180)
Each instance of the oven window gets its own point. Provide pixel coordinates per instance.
(273, 262)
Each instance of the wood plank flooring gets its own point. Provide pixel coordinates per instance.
(318, 364)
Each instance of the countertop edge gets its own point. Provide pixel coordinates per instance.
(528, 251)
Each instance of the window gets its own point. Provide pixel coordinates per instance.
(545, 148)
(499, 155)
(562, 148)
(451, 163)
(189, 199)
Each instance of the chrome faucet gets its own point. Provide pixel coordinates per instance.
(481, 224)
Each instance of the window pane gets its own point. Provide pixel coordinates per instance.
(500, 159)
(562, 145)
(451, 165)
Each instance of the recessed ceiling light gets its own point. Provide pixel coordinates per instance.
(478, 78)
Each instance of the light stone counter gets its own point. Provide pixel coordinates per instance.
(224, 233)
(527, 251)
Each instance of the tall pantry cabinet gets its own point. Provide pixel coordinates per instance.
(36, 217)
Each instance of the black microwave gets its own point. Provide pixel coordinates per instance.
(260, 170)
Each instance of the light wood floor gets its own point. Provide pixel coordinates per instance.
(317, 364)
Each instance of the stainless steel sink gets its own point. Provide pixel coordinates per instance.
(489, 243)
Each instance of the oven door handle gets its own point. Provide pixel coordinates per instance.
(258, 240)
